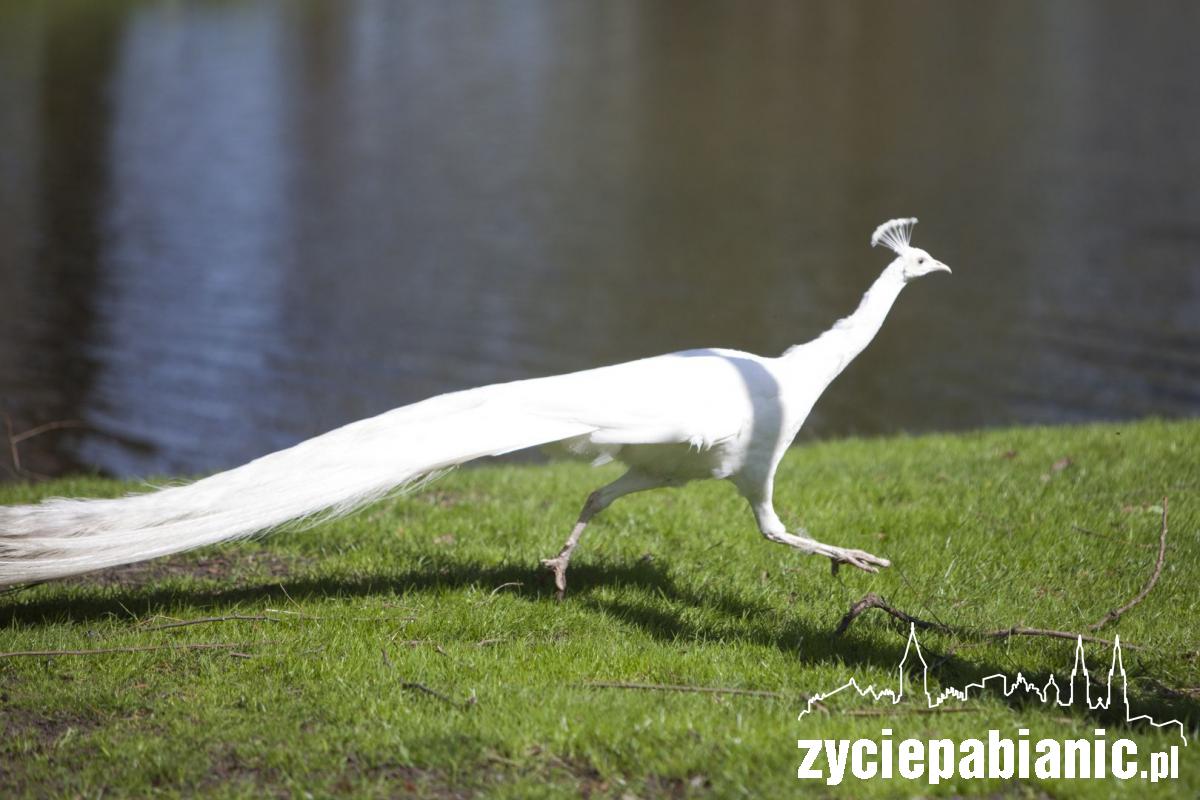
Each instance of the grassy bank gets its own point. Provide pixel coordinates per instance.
(417, 648)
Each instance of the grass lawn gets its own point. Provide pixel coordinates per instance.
(316, 688)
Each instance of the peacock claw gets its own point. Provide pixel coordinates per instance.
(558, 566)
(856, 558)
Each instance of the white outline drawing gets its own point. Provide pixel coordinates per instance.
(1020, 682)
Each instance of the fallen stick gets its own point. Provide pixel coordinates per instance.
(674, 687)
(883, 712)
(420, 687)
(205, 620)
(298, 615)
(138, 649)
(1116, 613)
(17, 438)
(872, 600)
(1021, 630)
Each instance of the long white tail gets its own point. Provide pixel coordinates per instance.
(332, 473)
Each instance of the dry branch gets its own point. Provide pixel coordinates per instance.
(137, 649)
(886, 712)
(674, 687)
(420, 687)
(1021, 630)
(204, 620)
(1116, 613)
(872, 600)
(16, 438)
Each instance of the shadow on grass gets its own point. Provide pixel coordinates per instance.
(105, 598)
(656, 604)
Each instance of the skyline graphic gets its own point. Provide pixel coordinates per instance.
(1049, 691)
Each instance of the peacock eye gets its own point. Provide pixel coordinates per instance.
(921, 260)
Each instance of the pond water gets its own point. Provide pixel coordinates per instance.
(225, 227)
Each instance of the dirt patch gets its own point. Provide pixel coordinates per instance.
(587, 777)
(228, 768)
(45, 729)
(404, 780)
(593, 786)
(587, 782)
(219, 567)
(400, 780)
(45, 732)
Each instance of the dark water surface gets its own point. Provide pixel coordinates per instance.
(226, 227)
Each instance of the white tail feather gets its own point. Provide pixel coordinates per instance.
(330, 474)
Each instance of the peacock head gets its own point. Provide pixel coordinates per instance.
(912, 262)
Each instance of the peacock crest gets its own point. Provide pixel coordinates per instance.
(894, 234)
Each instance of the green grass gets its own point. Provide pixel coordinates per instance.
(442, 588)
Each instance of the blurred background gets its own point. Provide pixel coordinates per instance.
(228, 226)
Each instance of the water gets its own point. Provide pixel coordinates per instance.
(227, 227)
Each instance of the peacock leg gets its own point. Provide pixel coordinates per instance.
(632, 481)
(773, 529)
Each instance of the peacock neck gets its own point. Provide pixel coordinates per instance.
(850, 335)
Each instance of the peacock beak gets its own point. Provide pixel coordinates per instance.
(940, 267)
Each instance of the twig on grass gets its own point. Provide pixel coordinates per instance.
(872, 600)
(136, 649)
(1021, 630)
(292, 614)
(297, 615)
(675, 687)
(1116, 613)
(204, 620)
(283, 589)
(885, 712)
(420, 687)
